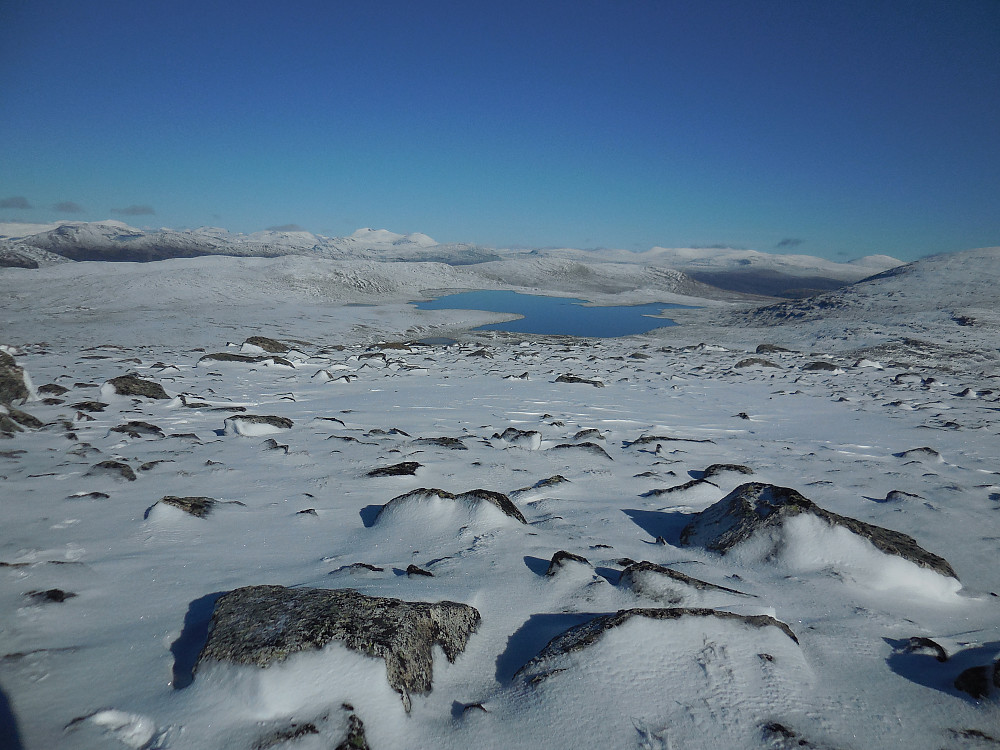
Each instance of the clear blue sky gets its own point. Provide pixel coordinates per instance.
(833, 128)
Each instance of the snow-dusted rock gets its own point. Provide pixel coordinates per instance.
(756, 509)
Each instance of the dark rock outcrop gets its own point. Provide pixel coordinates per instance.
(132, 385)
(404, 469)
(496, 499)
(576, 379)
(260, 625)
(451, 443)
(755, 507)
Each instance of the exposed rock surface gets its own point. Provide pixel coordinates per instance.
(403, 469)
(577, 379)
(755, 506)
(267, 344)
(132, 385)
(496, 499)
(198, 507)
(15, 386)
(259, 625)
(113, 468)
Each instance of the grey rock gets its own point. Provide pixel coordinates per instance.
(231, 357)
(131, 385)
(268, 345)
(260, 625)
(52, 389)
(114, 468)
(497, 499)
(755, 506)
(138, 429)
(13, 381)
(717, 469)
(821, 366)
(653, 439)
(24, 419)
(756, 362)
(404, 469)
(770, 349)
(199, 507)
(90, 406)
(283, 423)
(451, 443)
(576, 379)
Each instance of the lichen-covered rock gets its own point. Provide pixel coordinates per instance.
(254, 425)
(15, 385)
(260, 625)
(496, 499)
(755, 507)
(268, 345)
(132, 385)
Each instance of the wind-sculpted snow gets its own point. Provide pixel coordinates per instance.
(463, 471)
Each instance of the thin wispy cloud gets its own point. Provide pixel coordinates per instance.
(134, 211)
(68, 207)
(789, 242)
(286, 228)
(15, 201)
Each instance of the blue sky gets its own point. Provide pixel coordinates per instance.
(838, 129)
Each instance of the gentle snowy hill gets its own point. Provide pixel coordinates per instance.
(746, 271)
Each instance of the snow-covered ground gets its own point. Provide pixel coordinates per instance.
(885, 410)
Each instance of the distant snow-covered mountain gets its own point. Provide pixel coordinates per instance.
(116, 241)
(732, 270)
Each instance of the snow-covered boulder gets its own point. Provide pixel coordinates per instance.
(782, 520)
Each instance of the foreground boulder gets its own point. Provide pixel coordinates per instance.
(757, 507)
(260, 625)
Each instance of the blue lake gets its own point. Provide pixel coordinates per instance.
(556, 315)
